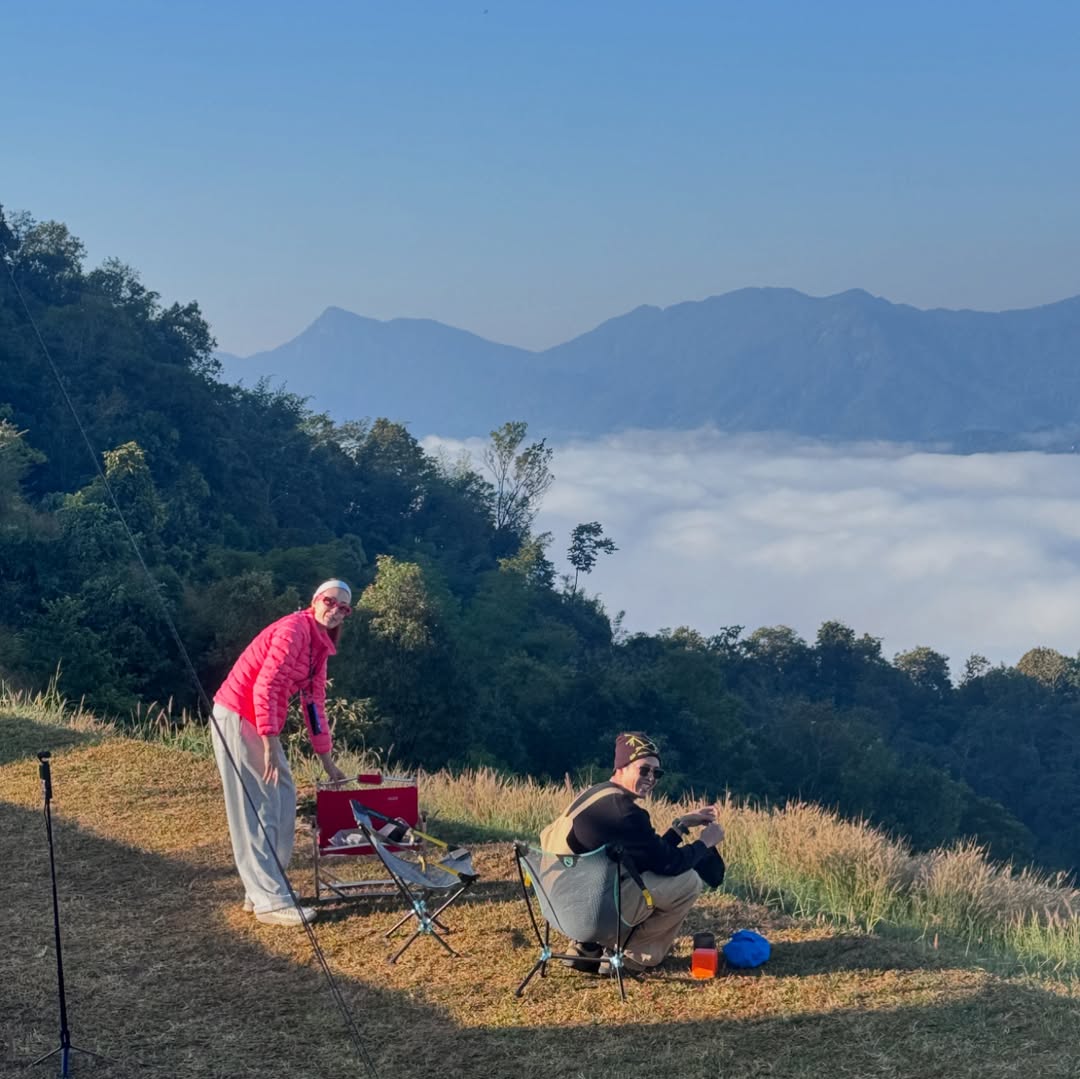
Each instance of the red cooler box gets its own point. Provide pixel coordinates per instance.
(392, 796)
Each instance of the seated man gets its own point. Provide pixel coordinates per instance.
(609, 813)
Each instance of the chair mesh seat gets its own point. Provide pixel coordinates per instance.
(576, 892)
(420, 876)
(580, 896)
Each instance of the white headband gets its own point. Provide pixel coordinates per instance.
(327, 585)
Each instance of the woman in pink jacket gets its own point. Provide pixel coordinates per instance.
(287, 657)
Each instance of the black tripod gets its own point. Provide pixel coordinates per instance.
(65, 1048)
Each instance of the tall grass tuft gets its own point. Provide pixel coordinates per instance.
(184, 730)
(50, 708)
(510, 806)
(808, 861)
(959, 892)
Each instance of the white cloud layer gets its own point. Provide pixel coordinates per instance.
(963, 554)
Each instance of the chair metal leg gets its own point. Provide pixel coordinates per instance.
(434, 916)
(546, 950)
(446, 946)
(397, 925)
(539, 965)
(315, 862)
(619, 979)
(419, 933)
(404, 948)
(427, 924)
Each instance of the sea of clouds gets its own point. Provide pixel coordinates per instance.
(965, 554)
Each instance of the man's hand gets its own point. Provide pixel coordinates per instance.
(704, 815)
(271, 757)
(713, 834)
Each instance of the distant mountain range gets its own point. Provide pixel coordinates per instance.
(849, 366)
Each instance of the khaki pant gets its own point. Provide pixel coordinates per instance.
(656, 931)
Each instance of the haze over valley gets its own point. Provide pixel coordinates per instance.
(965, 554)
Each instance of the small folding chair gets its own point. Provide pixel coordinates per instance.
(344, 862)
(581, 896)
(418, 874)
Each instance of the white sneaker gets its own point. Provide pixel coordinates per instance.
(249, 906)
(287, 916)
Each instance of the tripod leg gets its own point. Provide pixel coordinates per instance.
(47, 1056)
(64, 1051)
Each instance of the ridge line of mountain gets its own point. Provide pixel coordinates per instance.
(846, 366)
(336, 310)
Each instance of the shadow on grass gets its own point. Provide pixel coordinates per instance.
(807, 958)
(998, 1032)
(24, 738)
(162, 977)
(156, 977)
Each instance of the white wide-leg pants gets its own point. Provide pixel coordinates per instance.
(275, 806)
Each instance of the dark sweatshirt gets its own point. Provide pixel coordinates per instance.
(617, 818)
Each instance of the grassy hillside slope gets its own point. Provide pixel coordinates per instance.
(166, 973)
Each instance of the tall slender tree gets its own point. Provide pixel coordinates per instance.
(521, 477)
(587, 543)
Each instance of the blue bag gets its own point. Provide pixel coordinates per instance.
(747, 949)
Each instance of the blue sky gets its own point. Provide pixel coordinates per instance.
(526, 170)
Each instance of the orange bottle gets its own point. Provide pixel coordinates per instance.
(704, 959)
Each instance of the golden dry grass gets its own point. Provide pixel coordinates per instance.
(167, 974)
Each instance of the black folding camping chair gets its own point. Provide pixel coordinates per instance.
(421, 873)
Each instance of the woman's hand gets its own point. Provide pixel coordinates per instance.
(271, 757)
(333, 772)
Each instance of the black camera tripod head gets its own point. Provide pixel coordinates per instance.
(45, 772)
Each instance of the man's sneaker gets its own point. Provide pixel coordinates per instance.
(287, 916)
(249, 906)
(586, 957)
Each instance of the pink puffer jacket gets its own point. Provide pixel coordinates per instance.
(288, 657)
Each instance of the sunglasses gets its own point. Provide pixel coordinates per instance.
(332, 604)
(647, 770)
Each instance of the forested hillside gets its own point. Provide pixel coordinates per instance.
(465, 647)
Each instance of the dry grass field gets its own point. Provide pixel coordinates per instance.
(168, 976)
